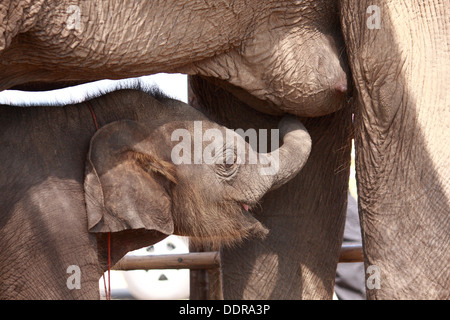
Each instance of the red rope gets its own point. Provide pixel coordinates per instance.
(93, 115)
(107, 290)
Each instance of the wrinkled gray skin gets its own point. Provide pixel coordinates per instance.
(61, 177)
(276, 56)
(292, 49)
(401, 94)
(280, 56)
(402, 115)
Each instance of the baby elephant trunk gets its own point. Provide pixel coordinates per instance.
(292, 155)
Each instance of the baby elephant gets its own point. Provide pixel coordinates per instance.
(136, 166)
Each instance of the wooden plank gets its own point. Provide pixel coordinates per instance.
(206, 260)
(193, 260)
(352, 253)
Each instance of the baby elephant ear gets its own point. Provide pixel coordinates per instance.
(125, 182)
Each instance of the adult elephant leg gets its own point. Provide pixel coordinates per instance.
(398, 53)
(305, 217)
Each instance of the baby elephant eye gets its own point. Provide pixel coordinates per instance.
(230, 158)
(228, 167)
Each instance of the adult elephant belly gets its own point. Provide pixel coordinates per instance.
(290, 73)
(280, 57)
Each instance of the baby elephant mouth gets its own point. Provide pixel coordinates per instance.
(254, 227)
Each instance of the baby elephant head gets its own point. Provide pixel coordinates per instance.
(132, 181)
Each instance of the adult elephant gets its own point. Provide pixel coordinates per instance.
(399, 59)
(65, 185)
